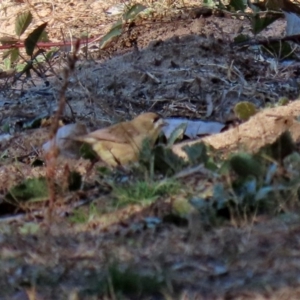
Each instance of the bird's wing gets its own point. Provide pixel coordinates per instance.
(119, 133)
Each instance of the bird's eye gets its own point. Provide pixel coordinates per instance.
(155, 119)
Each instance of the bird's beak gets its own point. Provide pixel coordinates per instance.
(160, 123)
(163, 122)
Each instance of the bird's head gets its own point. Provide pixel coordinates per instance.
(149, 123)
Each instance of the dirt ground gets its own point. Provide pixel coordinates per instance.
(177, 64)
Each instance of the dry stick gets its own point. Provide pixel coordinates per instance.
(52, 154)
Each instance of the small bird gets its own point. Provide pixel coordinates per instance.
(121, 143)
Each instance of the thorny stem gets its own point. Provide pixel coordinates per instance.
(52, 154)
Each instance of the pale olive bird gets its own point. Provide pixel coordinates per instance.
(121, 143)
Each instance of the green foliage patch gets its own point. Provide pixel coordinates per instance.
(143, 192)
(253, 183)
(122, 282)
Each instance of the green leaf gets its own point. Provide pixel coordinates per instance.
(196, 153)
(221, 196)
(209, 3)
(166, 161)
(292, 161)
(22, 22)
(29, 228)
(244, 110)
(114, 32)
(50, 54)
(224, 168)
(264, 192)
(14, 54)
(182, 207)
(279, 49)
(245, 165)
(20, 67)
(237, 5)
(270, 173)
(128, 281)
(133, 11)
(256, 7)
(8, 40)
(11, 54)
(44, 37)
(208, 213)
(177, 133)
(241, 38)
(282, 147)
(32, 39)
(33, 189)
(5, 128)
(282, 101)
(259, 23)
(86, 151)
(7, 63)
(34, 122)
